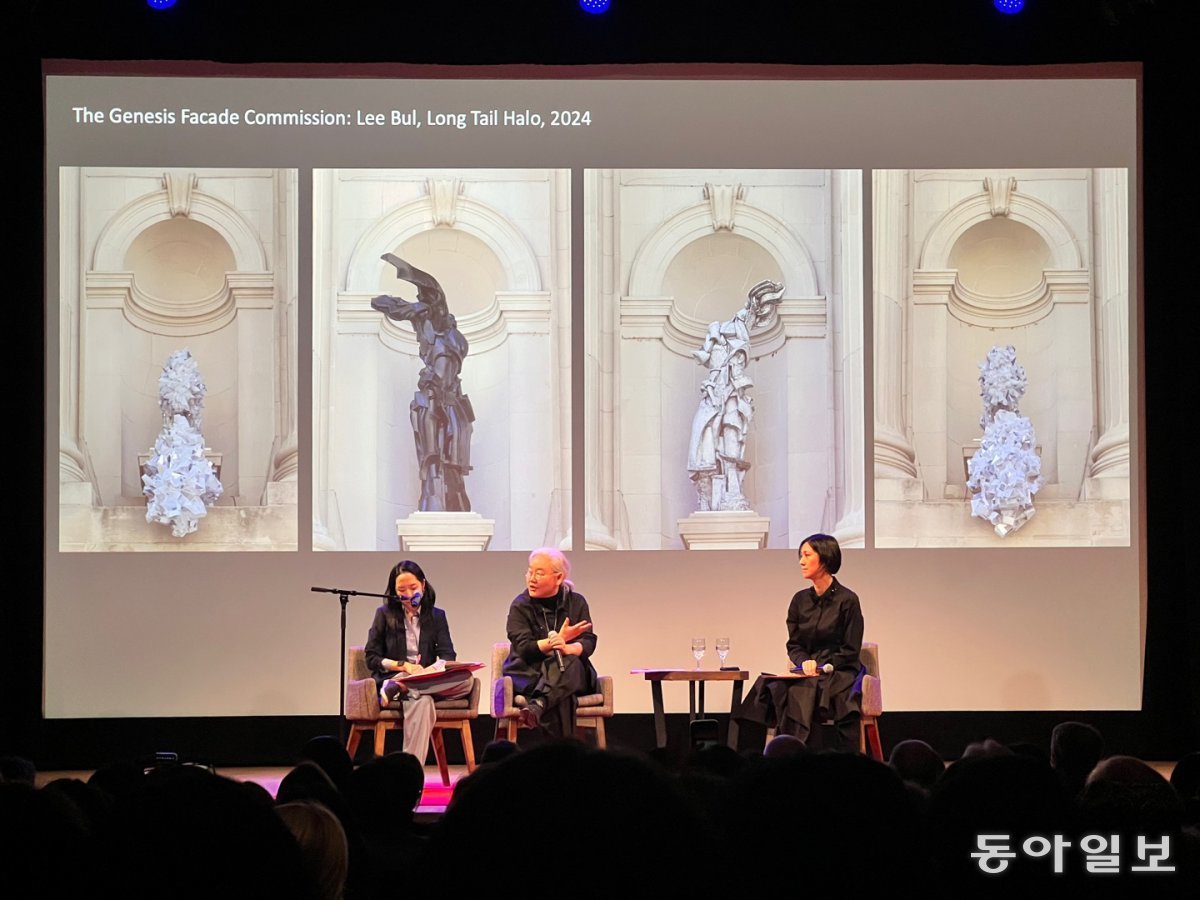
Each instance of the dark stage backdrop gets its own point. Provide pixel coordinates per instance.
(173, 635)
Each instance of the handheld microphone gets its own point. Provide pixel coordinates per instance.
(562, 666)
(825, 669)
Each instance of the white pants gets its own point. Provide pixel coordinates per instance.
(419, 712)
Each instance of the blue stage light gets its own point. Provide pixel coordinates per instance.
(1009, 7)
(161, 4)
(595, 7)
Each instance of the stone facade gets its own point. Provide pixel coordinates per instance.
(156, 261)
(967, 260)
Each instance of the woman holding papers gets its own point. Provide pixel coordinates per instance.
(410, 636)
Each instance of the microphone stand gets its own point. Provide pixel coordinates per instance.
(344, 596)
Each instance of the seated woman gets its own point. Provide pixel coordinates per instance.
(550, 630)
(825, 631)
(408, 636)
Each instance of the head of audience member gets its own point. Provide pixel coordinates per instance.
(322, 840)
(817, 813)
(187, 833)
(94, 806)
(309, 782)
(915, 761)
(17, 769)
(1125, 794)
(385, 791)
(118, 779)
(992, 791)
(1075, 748)
(1185, 779)
(39, 826)
(783, 746)
(306, 781)
(329, 754)
(497, 750)
(580, 806)
(1125, 770)
(987, 748)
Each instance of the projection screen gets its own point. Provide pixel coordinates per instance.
(596, 240)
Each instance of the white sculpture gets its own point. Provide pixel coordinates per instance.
(179, 482)
(716, 451)
(1005, 472)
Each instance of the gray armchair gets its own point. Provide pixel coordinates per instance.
(365, 714)
(591, 711)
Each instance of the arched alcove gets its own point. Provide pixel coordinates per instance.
(709, 277)
(998, 258)
(993, 273)
(179, 259)
(175, 262)
(467, 269)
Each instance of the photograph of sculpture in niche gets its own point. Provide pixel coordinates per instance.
(1010, 289)
(177, 341)
(723, 373)
(441, 359)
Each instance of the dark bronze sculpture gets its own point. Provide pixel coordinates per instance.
(441, 413)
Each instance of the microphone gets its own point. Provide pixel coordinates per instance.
(825, 669)
(562, 666)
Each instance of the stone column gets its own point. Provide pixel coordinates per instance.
(1108, 467)
(895, 457)
(848, 357)
(323, 310)
(600, 305)
(285, 462)
(75, 486)
(560, 342)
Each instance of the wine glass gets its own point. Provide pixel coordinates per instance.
(698, 650)
(722, 649)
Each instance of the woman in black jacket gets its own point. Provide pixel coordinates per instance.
(410, 636)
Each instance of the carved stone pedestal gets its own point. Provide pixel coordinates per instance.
(722, 530)
(445, 531)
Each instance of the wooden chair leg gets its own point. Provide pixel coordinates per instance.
(601, 740)
(439, 754)
(380, 737)
(872, 735)
(468, 743)
(512, 731)
(355, 737)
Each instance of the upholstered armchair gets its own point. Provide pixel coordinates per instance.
(591, 711)
(365, 714)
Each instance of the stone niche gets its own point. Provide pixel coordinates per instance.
(968, 260)
(202, 260)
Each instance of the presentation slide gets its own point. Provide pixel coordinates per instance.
(301, 328)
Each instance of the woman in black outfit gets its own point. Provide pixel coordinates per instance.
(825, 631)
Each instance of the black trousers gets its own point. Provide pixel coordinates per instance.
(557, 691)
(796, 705)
